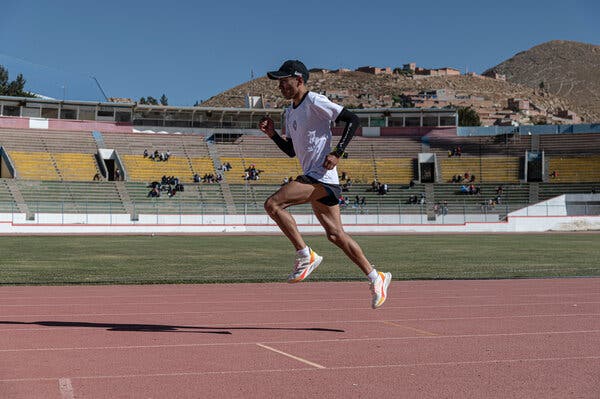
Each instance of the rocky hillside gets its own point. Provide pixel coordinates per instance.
(567, 69)
(487, 95)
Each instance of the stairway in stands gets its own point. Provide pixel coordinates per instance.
(18, 197)
(225, 189)
(534, 193)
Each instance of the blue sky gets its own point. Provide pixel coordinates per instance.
(192, 50)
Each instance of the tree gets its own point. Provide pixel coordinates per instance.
(152, 101)
(3, 79)
(403, 101)
(164, 100)
(402, 71)
(467, 116)
(15, 88)
(143, 101)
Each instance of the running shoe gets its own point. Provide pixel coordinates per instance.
(304, 266)
(379, 289)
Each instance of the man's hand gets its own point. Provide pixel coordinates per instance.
(267, 126)
(330, 161)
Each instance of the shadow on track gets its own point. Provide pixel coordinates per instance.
(163, 327)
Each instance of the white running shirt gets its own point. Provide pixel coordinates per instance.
(309, 127)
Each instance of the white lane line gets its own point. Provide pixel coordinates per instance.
(292, 356)
(392, 323)
(66, 388)
(387, 308)
(312, 341)
(334, 368)
(247, 300)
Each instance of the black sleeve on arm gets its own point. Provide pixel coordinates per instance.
(352, 123)
(284, 145)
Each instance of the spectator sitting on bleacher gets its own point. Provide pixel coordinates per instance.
(472, 179)
(554, 174)
(252, 173)
(196, 178)
(96, 177)
(374, 186)
(499, 190)
(464, 189)
(155, 191)
(383, 189)
(343, 201)
(145, 153)
(473, 190)
(346, 186)
(167, 155)
(208, 178)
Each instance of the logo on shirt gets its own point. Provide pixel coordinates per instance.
(295, 125)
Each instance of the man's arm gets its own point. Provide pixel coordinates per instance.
(352, 123)
(266, 125)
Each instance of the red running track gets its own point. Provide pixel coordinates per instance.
(432, 339)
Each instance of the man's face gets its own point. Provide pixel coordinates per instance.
(289, 86)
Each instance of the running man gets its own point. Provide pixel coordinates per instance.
(308, 136)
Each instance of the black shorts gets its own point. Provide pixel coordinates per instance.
(333, 190)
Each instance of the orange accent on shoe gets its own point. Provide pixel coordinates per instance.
(382, 299)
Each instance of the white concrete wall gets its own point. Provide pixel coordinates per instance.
(553, 207)
(45, 223)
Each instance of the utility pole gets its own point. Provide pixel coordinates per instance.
(100, 87)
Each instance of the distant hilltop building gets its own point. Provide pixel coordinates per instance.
(495, 75)
(437, 72)
(410, 67)
(375, 70)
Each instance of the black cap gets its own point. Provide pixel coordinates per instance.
(290, 68)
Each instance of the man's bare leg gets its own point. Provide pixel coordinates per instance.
(293, 193)
(330, 218)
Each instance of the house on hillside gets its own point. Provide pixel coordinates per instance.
(375, 70)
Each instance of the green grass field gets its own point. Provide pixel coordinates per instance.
(204, 259)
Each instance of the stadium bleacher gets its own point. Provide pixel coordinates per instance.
(54, 171)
